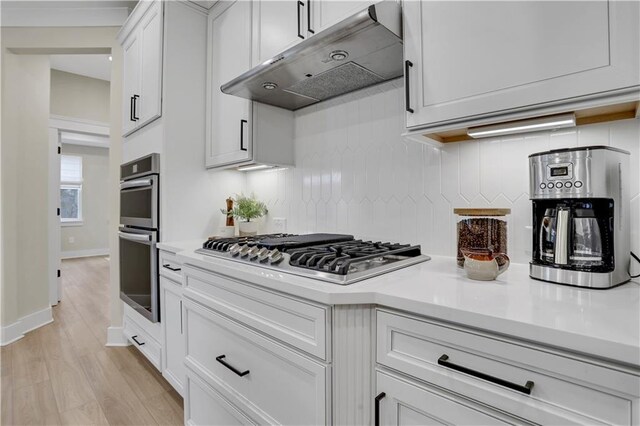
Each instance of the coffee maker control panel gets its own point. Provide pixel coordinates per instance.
(560, 179)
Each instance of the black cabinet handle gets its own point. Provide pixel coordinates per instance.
(135, 104)
(136, 340)
(377, 408)
(131, 107)
(242, 123)
(299, 24)
(221, 358)
(407, 99)
(526, 389)
(171, 268)
(309, 17)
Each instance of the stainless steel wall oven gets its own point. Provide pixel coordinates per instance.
(138, 235)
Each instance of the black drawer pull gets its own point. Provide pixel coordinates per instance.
(131, 108)
(136, 340)
(221, 358)
(171, 268)
(526, 389)
(407, 98)
(242, 123)
(135, 106)
(309, 17)
(299, 29)
(377, 408)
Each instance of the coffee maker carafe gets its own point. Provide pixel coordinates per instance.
(580, 216)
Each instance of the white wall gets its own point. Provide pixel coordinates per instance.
(355, 174)
(25, 115)
(92, 235)
(77, 96)
(25, 121)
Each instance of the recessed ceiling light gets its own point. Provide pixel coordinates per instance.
(338, 55)
(110, 58)
(269, 85)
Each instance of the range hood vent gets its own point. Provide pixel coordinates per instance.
(360, 51)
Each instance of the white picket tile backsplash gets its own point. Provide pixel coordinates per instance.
(356, 174)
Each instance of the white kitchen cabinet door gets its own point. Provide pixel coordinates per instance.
(150, 65)
(229, 128)
(325, 13)
(141, 39)
(172, 323)
(131, 82)
(403, 403)
(278, 25)
(476, 59)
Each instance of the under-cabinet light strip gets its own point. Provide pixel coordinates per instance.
(256, 167)
(521, 126)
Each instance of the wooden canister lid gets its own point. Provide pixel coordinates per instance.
(482, 212)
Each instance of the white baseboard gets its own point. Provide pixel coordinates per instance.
(17, 330)
(84, 253)
(115, 337)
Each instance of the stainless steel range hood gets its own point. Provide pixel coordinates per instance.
(360, 51)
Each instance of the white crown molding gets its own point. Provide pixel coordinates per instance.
(18, 329)
(64, 16)
(133, 19)
(78, 125)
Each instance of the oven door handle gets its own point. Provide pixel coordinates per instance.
(136, 183)
(135, 237)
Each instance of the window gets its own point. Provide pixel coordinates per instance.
(70, 188)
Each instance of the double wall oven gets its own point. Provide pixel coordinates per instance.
(138, 234)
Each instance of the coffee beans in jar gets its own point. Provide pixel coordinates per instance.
(481, 228)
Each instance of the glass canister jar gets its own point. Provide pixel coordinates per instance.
(481, 228)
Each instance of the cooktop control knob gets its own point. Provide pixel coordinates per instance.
(253, 252)
(275, 257)
(244, 250)
(235, 249)
(263, 254)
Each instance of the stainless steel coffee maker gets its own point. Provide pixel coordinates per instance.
(580, 216)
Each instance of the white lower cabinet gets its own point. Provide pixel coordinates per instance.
(144, 335)
(172, 326)
(472, 368)
(403, 402)
(206, 406)
(266, 381)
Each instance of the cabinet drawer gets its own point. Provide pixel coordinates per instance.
(146, 344)
(565, 389)
(272, 384)
(301, 324)
(170, 267)
(407, 403)
(205, 406)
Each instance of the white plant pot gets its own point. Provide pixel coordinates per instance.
(248, 228)
(227, 231)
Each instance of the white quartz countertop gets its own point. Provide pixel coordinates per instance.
(600, 323)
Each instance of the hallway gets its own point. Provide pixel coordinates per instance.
(63, 374)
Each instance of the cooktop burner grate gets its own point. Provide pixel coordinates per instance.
(351, 256)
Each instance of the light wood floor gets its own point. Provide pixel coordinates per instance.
(63, 374)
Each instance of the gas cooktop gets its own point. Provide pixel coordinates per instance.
(335, 258)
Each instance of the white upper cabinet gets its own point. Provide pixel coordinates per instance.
(131, 82)
(469, 60)
(278, 25)
(325, 13)
(141, 39)
(228, 132)
(241, 132)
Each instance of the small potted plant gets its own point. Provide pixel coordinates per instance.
(245, 210)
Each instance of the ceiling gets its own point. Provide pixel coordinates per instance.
(94, 66)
